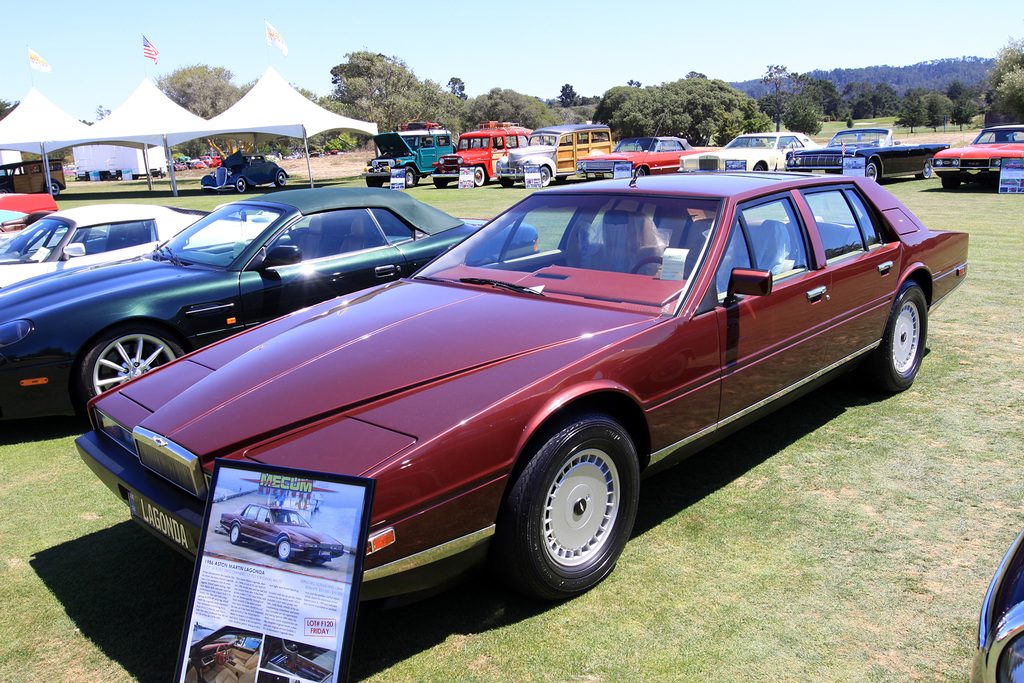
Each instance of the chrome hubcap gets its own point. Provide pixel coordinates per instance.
(581, 508)
(128, 357)
(906, 338)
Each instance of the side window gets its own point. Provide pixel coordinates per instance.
(395, 230)
(839, 230)
(512, 141)
(868, 228)
(737, 255)
(498, 143)
(582, 138)
(250, 512)
(776, 239)
(331, 233)
(443, 141)
(524, 141)
(427, 143)
(601, 136)
(565, 141)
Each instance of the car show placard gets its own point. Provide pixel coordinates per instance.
(531, 176)
(854, 166)
(735, 165)
(1011, 176)
(622, 169)
(276, 585)
(466, 178)
(397, 179)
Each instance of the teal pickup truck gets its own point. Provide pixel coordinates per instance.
(415, 147)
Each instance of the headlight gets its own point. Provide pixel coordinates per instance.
(14, 331)
(1011, 663)
(793, 161)
(995, 162)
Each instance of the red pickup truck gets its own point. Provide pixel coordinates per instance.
(479, 149)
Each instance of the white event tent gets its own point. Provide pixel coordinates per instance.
(271, 109)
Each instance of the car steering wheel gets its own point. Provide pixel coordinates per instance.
(643, 262)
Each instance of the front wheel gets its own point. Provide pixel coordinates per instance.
(507, 183)
(761, 166)
(545, 176)
(123, 354)
(874, 170)
(895, 363)
(570, 510)
(440, 183)
(375, 182)
(479, 176)
(410, 177)
(241, 184)
(949, 183)
(284, 549)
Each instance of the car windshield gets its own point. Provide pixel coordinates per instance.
(609, 249)
(753, 142)
(998, 136)
(635, 145)
(859, 137)
(474, 143)
(34, 243)
(289, 517)
(220, 237)
(543, 139)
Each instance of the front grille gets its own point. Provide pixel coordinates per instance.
(821, 160)
(974, 163)
(599, 166)
(170, 461)
(708, 163)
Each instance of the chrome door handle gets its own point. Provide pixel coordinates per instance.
(386, 271)
(816, 293)
(884, 268)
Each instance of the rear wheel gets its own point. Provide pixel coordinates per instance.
(281, 178)
(570, 510)
(54, 188)
(235, 534)
(895, 363)
(926, 172)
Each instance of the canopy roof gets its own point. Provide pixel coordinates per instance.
(145, 118)
(36, 123)
(273, 109)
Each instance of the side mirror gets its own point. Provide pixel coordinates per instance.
(281, 255)
(749, 282)
(74, 250)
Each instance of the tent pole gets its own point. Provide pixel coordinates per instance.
(145, 161)
(305, 147)
(46, 165)
(170, 167)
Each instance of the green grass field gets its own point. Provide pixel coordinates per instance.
(847, 537)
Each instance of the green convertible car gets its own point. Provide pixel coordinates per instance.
(67, 337)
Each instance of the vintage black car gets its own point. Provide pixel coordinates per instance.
(66, 337)
(882, 156)
(241, 171)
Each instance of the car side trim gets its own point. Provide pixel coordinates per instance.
(669, 450)
(430, 555)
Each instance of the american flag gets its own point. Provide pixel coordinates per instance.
(148, 51)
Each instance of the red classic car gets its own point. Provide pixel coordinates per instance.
(27, 203)
(479, 149)
(647, 156)
(508, 397)
(284, 530)
(982, 160)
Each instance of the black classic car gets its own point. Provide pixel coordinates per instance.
(68, 336)
(241, 171)
(883, 157)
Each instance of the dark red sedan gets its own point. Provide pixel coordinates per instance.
(509, 397)
(286, 532)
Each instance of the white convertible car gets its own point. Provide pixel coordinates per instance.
(750, 152)
(89, 235)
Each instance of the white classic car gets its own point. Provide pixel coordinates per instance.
(89, 235)
(750, 152)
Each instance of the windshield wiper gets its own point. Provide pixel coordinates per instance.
(168, 255)
(498, 284)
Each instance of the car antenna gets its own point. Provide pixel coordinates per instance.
(636, 171)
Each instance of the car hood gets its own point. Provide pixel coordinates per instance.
(391, 144)
(985, 151)
(316, 364)
(531, 151)
(64, 290)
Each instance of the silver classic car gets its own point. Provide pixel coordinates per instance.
(1000, 648)
(555, 151)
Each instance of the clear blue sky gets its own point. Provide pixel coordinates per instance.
(95, 48)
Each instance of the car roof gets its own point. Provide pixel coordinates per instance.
(314, 200)
(92, 214)
(572, 127)
(704, 184)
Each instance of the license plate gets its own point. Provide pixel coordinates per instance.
(162, 522)
(599, 175)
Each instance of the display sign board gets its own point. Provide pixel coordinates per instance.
(466, 178)
(276, 586)
(531, 176)
(854, 166)
(622, 169)
(735, 165)
(397, 179)
(1011, 176)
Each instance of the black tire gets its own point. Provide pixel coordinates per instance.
(874, 170)
(441, 183)
(761, 166)
(926, 172)
(949, 183)
(479, 176)
(283, 550)
(54, 188)
(235, 535)
(123, 353)
(375, 182)
(411, 177)
(545, 176)
(241, 184)
(894, 365)
(569, 511)
(281, 178)
(506, 182)
(642, 171)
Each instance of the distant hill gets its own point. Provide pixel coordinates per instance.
(934, 75)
